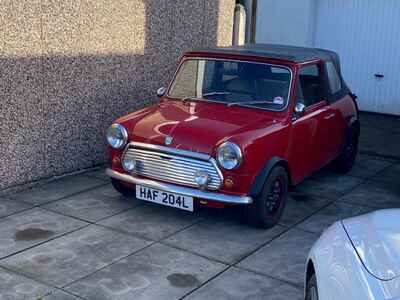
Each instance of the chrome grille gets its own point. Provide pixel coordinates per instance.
(167, 164)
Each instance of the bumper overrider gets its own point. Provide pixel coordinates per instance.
(186, 191)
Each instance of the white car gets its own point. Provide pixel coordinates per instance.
(357, 259)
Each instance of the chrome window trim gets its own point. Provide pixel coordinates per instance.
(176, 152)
(236, 60)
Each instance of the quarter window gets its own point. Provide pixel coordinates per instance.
(310, 85)
(334, 79)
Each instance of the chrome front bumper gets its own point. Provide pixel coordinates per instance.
(180, 190)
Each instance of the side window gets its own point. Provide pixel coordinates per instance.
(333, 76)
(310, 89)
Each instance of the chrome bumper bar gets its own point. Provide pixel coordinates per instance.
(180, 190)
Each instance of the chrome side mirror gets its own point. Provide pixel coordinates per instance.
(161, 91)
(299, 108)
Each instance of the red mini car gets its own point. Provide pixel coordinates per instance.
(238, 126)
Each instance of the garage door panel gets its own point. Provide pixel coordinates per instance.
(366, 34)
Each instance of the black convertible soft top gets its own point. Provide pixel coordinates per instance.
(281, 52)
(285, 53)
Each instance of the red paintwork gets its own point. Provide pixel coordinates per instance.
(306, 144)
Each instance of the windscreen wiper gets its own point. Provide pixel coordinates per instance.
(205, 95)
(216, 93)
(249, 102)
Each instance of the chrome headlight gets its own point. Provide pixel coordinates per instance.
(117, 136)
(229, 156)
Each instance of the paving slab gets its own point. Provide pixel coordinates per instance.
(153, 222)
(158, 272)
(59, 295)
(284, 258)
(332, 213)
(390, 174)
(237, 284)
(300, 206)
(9, 207)
(73, 256)
(366, 166)
(29, 228)
(375, 194)
(16, 287)
(93, 205)
(99, 174)
(225, 241)
(328, 185)
(57, 189)
(380, 142)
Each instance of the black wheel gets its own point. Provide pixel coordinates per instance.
(124, 190)
(312, 289)
(268, 207)
(345, 162)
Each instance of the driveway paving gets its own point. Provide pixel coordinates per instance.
(151, 221)
(71, 257)
(16, 287)
(375, 194)
(320, 221)
(225, 241)
(9, 207)
(389, 174)
(27, 229)
(238, 284)
(328, 185)
(93, 205)
(158, 272)
(58, 189)
(283, 258)
(301, 206)
(368, 166)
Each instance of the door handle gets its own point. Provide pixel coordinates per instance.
(330, 116)
(379, 75)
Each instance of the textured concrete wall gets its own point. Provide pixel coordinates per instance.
(68, 68)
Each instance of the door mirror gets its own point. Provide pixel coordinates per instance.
(300, 108)
(161, 91)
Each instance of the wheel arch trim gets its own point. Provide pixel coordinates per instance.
(262, 176)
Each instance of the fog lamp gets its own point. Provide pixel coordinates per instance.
(128, 163)
(202, 178)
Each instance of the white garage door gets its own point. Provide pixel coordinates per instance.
(366, 34)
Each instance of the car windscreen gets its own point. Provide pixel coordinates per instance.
(233, 82)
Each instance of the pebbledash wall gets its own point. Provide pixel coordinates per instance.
(68, 68)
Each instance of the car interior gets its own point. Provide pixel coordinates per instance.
(310, 86)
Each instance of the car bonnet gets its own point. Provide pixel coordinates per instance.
(376, 238)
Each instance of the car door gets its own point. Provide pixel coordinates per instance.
(334, 122)
(308, 146)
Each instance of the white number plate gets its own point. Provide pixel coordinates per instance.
(164, 198)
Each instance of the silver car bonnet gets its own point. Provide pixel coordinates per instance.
(376, 238)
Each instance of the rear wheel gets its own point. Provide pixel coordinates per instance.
(267, 208)
(345, 162)
(312, 289)
(123, 189)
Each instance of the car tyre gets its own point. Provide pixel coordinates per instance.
(267, 208)
(312, 289)
(121, 188)
(345, 162)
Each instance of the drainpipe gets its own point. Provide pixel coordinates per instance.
(239, 25)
